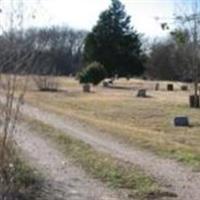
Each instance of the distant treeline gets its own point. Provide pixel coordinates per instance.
(60, 51)
(55, 50)
(169, 61)
(174, 58)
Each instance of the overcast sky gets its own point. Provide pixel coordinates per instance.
(83, 14)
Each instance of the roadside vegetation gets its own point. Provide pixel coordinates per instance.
(19, 181)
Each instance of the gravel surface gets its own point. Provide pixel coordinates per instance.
(64, 181)
(181, 180)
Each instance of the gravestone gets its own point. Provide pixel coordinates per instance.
(184, 87)
(105, 84)
(157, 86)
(194, 101)
(170, 87)
(181, 121)
(110, 81)
(141, 93)
(86, 88)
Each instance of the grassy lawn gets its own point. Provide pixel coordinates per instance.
(115, 173)
(144, 122)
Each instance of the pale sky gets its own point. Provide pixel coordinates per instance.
(83, 14)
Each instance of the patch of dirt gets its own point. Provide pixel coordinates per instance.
(64, 181)
(180, 180)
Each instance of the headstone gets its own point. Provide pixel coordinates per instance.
(86, 88)
(110, 81)
(105, 84)
(170, 87)
(157, 86)
(141, 93)
(194, 101)
(181, 121)
(184, 87)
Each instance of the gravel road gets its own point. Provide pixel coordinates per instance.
(64, 180)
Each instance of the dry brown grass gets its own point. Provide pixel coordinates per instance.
(146, 122)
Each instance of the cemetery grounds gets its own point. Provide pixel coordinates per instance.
(110, 120)
(144, 122)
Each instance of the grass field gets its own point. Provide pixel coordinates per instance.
(146, 122)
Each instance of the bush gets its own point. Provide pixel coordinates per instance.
(46, 83)
(93, 73)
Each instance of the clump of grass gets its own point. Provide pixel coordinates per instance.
(184, 156)
(17, 179)
(27, 181)
(101, 165)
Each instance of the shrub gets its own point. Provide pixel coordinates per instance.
(46, 83)
(93, 73)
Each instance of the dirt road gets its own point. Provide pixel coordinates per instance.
(65, 181)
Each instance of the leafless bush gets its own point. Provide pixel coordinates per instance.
(46, 83)
(17, 55)
(46, 79)
(12, 90)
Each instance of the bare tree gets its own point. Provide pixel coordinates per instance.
(190, 22)
(16, 58)
(64, 47)
(169, 60)
(187, 35)
(60, 54)
(161, 63)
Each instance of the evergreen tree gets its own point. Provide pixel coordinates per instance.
(114, 43)
(94, 73)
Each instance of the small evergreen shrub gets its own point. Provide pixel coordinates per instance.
(93, 73)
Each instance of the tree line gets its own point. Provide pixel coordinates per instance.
(57, 50)
(170, 59)
(113, 42)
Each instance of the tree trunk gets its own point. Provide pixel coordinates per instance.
(196, 97)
